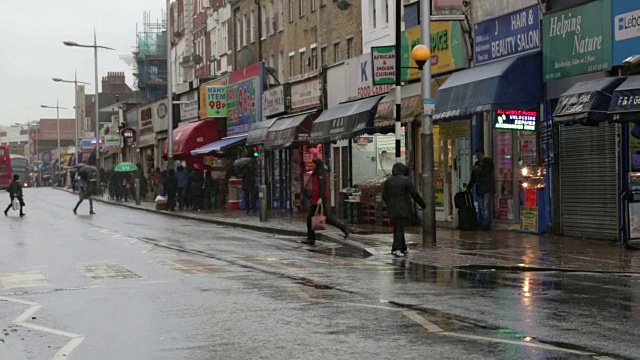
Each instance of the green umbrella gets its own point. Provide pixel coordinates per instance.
(126, 167)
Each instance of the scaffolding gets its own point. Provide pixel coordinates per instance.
(150, 56)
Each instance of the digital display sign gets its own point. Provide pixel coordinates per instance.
(516, 120)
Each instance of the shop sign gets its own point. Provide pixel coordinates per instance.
(273, 101)
(306, 94)
(577, 41)
(360, 83)
(146, 116)
(216, 101)
(447, 49)
(626, 29)
(128, 133)
(447, 7)
(244, 99)
(112, 140)
(204, 104)
(516, 120)
(383, 60)
(146, 140)
(529, 219)
(457, 129)
(507, 35)
(161, 122)
(189, 111)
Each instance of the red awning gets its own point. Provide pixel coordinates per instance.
(192, 135)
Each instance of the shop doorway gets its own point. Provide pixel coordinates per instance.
(459, 162)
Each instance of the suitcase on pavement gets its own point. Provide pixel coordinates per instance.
(467, 215)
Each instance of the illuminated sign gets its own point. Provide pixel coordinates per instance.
(516, 120)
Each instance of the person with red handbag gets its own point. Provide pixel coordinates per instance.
(319, 198)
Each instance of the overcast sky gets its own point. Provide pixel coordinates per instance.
(31, 50)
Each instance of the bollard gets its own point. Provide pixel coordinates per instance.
(137, 185)
(262, 195)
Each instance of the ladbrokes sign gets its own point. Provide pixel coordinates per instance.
(626, 29)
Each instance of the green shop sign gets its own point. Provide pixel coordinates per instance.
(577, 41)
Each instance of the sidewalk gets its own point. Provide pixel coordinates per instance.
(508, 250)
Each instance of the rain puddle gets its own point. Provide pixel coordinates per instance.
(339, 251)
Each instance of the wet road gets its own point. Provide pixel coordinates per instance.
(120, 285)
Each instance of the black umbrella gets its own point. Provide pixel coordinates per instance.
(88, 172)
(242, 164)
(79, 166)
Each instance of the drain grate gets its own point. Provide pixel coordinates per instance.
(191, 267)
(107, 271)
(22, 279)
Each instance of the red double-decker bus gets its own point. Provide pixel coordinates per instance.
(5, 167)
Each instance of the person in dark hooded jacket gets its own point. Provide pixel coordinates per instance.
(320, 195)
(15, 191)
(396, 192)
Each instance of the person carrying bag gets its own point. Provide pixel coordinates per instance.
(320, 195)
(15, 192)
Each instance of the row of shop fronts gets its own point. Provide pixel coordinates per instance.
(548, 99)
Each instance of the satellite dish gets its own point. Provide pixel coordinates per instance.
(197, 59)
(343, 4)
(246, 57)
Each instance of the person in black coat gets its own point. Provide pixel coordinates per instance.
(171, 186)
(15, 191)
(396, 192)
(249, 186)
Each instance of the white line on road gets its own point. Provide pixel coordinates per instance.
(530, 344)
(34, 307)
(603, 358)
(67, 349)
(431, 327)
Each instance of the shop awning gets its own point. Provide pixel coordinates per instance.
(258, 132)
(625, 100)
(288, 129)
(513, 84)
(220, 145)
(192, 135)
(345, 120)
(386, 116)
(586, 102)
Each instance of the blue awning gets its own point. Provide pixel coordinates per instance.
(586, 102)
(258, 132)
(513, 84)
(220, 145)
(345, 120)
(625, 100)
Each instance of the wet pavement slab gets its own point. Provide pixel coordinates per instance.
(501, 249)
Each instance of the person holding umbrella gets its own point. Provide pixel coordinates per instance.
(87, 181)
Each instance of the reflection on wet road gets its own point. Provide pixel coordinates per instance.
(166, 288)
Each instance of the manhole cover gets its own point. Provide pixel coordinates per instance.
(188, 266)
(107, 271)
(22, 279)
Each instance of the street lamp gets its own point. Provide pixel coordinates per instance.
(57, 107)
(95, 48)
(170, 90)
(75, 89)
(421, 54)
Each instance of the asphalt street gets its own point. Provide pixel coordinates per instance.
(127, 284)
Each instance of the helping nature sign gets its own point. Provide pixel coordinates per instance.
(577, 41)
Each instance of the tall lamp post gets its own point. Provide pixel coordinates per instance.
(95, 48)
(421, 54)
(169, 91)
(75, 89)
(57, 107)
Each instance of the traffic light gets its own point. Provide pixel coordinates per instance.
(255, 151)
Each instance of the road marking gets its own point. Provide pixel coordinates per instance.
(431, 327)
(22, 279)
(5, 353)
(107, 271)
(603, 358)
(75, 341)
(530, 344)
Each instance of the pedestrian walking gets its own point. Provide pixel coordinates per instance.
(182, 178)
(209, 190)
(15, 192)
(195, 190)
(483, 179)
(396, 192)
(86, 189)
(320, 196)
(171, 188)
(249, 186)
